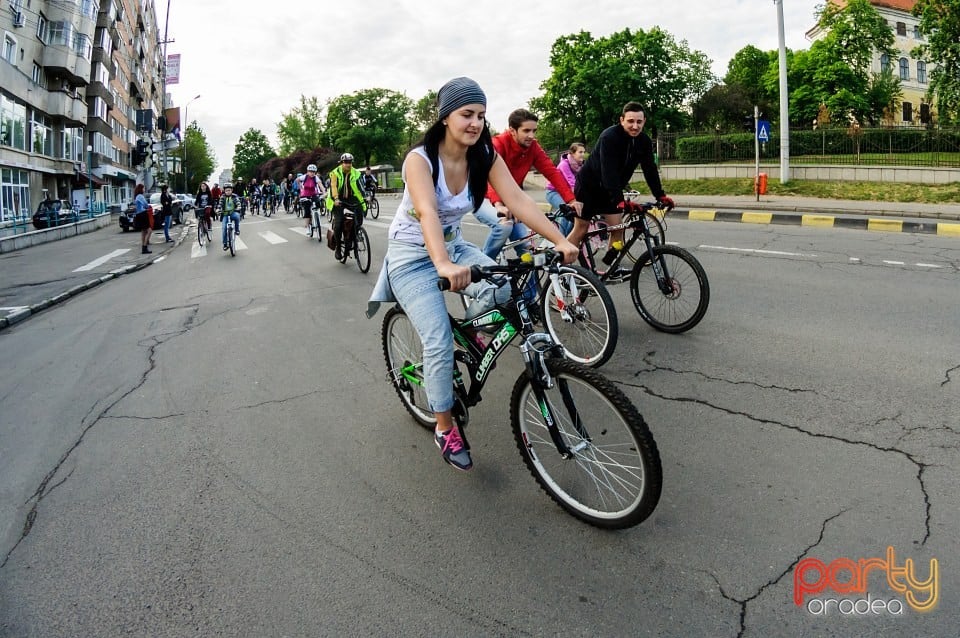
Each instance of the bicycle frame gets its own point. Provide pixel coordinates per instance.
(507, 321)
(641, 230)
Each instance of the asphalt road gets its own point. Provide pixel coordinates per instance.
(209, 447)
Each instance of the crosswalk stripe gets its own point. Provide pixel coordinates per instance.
(101, 260)
(239, 243)
(272, 237)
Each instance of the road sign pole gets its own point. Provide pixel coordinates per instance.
(756, 148)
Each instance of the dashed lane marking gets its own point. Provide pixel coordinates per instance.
(99, 261)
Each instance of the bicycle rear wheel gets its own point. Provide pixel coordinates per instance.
(613, 477)
(374, 208)
(674, 303)
(201, 232)
(317, 215)
(232, 240)
(404, 355)
(582, 318)
(361, 250)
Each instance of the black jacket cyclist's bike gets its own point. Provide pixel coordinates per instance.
(582, 439)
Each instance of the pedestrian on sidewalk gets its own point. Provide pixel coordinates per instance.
(166, 206)
(143, 219)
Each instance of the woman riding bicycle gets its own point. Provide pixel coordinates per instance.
(310, 190)
(445, 177)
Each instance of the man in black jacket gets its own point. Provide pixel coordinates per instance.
(607, 172)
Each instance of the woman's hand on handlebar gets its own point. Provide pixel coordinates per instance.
(458, 276)
(568, 250)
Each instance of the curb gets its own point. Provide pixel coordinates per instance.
(21, 315)
(942, 229)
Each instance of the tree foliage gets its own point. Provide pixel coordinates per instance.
(198, 159)
(370, 124)
(422, 116)
(302, 128)
(591, 79)
(250, 152)
(940, 24)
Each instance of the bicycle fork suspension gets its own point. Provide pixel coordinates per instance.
(534, 350)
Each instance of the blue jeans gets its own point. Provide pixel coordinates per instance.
(236, 224)
(501, 230)
(167, 219)
(413, 280)
(555, 200)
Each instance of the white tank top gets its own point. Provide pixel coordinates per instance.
(451, 207)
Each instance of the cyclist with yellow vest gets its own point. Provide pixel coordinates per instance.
(346, 191)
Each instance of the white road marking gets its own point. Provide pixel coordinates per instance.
(102, 260)
(12, 309)
(198, 251)
(272, 237)
(892, 263)
(238, 243)
(299, 230)
(756, 251)
(922, 265)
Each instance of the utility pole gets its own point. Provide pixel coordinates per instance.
(784, 101)
(163, 98)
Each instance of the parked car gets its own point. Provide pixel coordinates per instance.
(127, 215)
(54, 212)
(188, 202)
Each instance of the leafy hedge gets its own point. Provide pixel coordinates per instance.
(828, 141)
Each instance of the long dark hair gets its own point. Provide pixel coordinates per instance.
(480, 158)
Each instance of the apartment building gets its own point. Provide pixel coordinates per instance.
(73, 77)
(914, 74)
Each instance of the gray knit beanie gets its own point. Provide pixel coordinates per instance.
(458, 92)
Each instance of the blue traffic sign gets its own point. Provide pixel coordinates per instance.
(763, 130)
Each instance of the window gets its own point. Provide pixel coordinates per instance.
(925, 113)
(921, 72)
(41, 133)
(9, 48)
(81, 45)
(884, 63)
(907, 112)
(916, 32)
(37, 75)
(60, 33)
(15, 199)
(904, 69)
(99, 108)
(100, 74)
(902, 28)
(13, 123)
(42, 27)
(102, 145)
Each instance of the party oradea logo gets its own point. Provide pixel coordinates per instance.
(865, 587)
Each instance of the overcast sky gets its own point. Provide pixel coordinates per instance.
(250, 61)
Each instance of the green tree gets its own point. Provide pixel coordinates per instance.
(370, 124)
(746, 70)
(940, 24)
(723, 105)
(302, 127)
(422, 116)
(198, 159)
(250, 152)
(591, 79)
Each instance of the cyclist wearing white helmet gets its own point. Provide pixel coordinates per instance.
(346, 191)
(311, 189)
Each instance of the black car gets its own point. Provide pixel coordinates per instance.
(53, 212)
(126, 216)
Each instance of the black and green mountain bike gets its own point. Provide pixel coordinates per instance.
(582, 439)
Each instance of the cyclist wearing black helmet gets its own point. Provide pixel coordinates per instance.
(346, 191)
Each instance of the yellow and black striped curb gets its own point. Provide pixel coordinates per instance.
(943, 229)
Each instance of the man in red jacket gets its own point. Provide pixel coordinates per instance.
(520, 150)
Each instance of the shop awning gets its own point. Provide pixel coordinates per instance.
(85, 178)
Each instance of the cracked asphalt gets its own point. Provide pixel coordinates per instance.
(208, 447)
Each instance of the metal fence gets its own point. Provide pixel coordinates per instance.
(898, 146)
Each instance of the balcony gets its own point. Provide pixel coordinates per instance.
(64, 62)
(63, 105)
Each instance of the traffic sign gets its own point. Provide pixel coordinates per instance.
(763, 130)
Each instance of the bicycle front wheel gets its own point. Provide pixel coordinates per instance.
(232, 241)
(361, 250)
(581, 316)
(374, 208)
(201, 232)
(670, 291)
(403, 352)
(612, 477)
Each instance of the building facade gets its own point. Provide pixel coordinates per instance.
(73, 76)
(915, 107)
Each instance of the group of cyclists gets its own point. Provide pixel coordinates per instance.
(344, 188)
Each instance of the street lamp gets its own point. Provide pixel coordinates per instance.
(183, 131)
(90, 179)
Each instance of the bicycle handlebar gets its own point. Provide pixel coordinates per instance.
(513, 267)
